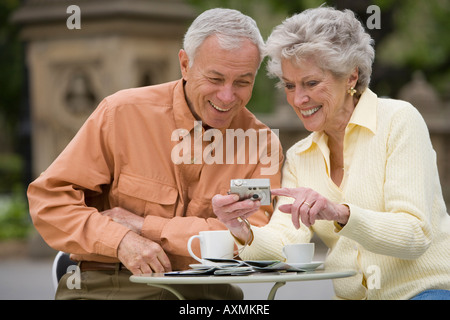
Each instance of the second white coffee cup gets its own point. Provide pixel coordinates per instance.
(213, 244)
(299, 252)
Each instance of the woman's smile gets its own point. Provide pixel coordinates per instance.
(309, 112)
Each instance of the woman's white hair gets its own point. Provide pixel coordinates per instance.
(230, 26)
(334, 39)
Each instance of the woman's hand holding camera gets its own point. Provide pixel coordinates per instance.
(231, 212)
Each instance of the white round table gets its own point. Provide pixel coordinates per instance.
(280, 278)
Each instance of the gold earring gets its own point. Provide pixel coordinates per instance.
(351, 91)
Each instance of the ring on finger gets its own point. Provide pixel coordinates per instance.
(307, 204)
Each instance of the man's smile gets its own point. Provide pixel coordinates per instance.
(218, 108)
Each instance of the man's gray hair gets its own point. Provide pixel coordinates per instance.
(230, 26)
(334, 39)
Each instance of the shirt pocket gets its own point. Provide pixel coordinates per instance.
(144, 196)
(201, 206)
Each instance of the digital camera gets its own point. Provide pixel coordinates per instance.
(254, 189)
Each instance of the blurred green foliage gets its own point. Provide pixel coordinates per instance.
(14, 219)
(420, 40)
(11, 168)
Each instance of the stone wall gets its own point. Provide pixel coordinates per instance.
(121, 44)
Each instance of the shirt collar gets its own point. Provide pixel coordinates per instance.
(184, 119)
(364, 115)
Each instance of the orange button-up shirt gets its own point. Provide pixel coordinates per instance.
(126, 155)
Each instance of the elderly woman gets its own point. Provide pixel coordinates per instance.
(365, 180)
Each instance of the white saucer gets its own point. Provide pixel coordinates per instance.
(306, 266)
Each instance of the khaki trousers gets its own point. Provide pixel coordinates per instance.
(115, 285)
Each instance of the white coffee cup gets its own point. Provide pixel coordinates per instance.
(217, 244)
(299, 252)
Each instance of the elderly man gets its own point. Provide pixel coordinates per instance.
(124, 198)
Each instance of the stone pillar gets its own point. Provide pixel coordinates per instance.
(120, 44)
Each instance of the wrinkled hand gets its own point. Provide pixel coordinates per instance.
(138, 254)
(141, 255)
(310, 206)
(228, 209)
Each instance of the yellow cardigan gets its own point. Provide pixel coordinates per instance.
(398, 234)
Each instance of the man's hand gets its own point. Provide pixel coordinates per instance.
(228, 209)
(138, 254)
(141, 255)
(310, 206)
